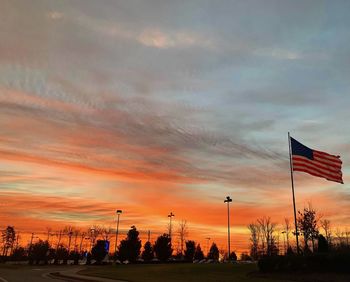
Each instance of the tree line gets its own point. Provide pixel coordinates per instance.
(129, 250)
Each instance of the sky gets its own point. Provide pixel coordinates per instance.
(162, 106)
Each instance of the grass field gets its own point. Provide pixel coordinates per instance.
(178, 272)
(203, 273)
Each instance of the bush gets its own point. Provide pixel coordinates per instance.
(162, 247)
(213, 252)
(190, 250)
(99, 251)
(147, 254)
(318, 262)
(130, 248)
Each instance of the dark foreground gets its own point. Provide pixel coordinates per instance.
(165, 273)
(203, 273)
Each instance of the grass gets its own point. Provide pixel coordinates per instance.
(179, 272)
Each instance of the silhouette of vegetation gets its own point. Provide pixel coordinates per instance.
(8, 237)
(39, 252)
(147, 254)
(233, 256)
(162, 247)
(99, 251)
(190, 250)
(19, 254)
(198, 254)
(183, 232)
(255, 235)
(322, 244)
(213, 252)
(130, 248)
(61, 254)
(307, 224)
(245, 257)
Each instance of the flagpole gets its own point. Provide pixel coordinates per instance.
(292, 179)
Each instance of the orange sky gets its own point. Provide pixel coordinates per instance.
(153, 108)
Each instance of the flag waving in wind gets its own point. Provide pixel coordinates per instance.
(316, 163)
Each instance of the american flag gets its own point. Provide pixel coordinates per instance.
(316, 163)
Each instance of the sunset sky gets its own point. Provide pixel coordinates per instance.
(159, 106)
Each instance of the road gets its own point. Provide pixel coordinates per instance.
(32, 273)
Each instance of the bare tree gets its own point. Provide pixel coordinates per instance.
(106, 232)
(48, 229)
(82, 237)
(68, 230)
(182, 233)
(267, 230)
(76, 233)
(287, 228)
(326, 226)
(255, 235)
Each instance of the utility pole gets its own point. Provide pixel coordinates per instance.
(228, 201)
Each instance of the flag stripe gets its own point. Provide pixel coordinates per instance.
(300, 165)
(326, 162)
(317, 164)
(312, 172)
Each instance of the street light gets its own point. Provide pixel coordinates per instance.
(228, 201)
(118, 212)
(170, 218)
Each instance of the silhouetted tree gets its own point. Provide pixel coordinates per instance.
(99, 251)
(307, 223)
(75, 256)
(290, 251)
(183, 232)
(287, 227)
(61, 254)
(326, 226)
(268, 240)
(233, 256)
(245, 256)
(147, 254)
(322, 244)
(213, 252)
(198, 254)
(8, 237)
(130, 248)
(254, 239)
(19, 254)
(190, 250)
(162, 247)
(39, 252)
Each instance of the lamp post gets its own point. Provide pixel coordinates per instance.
(118, 212)
(171, 215)
(228, 201)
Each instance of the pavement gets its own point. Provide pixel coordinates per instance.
(48, 274)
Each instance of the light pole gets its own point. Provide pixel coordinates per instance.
(228, 201)
(116, 232)
(170, 219)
